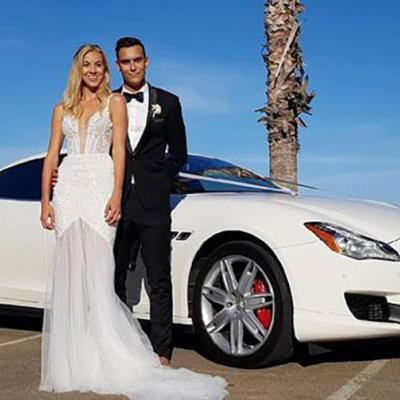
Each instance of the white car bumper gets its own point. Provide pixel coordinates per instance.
(319, 279)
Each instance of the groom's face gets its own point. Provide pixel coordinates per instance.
(133, 64)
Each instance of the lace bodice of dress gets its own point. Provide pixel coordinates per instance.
(97, 137)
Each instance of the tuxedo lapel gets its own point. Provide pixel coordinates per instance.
(146, 132)
(152, 101)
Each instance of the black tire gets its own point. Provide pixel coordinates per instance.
(279, 345)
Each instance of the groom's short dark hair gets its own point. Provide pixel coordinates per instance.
(128, 42)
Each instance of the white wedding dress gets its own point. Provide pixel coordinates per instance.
(91, 341)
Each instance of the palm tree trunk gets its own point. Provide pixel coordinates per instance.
(287, 87)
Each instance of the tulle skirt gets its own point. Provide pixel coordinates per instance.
(91, 341)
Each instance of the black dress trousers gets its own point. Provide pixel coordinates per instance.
(148, 230)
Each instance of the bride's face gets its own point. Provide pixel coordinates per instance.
(93, 69)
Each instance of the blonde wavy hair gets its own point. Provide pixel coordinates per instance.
(73, 91)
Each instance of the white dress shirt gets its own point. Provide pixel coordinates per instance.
(137, 116)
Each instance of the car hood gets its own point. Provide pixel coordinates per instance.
(372, 218)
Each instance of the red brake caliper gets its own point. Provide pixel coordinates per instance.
(263, 314)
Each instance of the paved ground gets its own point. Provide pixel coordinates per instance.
(358, 372)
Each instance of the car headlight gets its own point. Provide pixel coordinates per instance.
(350, 244)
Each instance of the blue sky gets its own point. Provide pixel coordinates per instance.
(209, 53)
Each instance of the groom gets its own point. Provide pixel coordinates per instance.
(155, 124)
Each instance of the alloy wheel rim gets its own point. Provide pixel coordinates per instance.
(229, 305)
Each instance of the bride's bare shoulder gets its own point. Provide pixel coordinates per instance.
(117, 104)
(117, 99)
(58, 111)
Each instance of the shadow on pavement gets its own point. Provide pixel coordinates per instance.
(365, 350)
(18, 322)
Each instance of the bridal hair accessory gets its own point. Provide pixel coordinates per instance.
(155, 110)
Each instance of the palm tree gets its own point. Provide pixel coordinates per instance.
(286, 87)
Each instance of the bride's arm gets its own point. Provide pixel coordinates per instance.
(119, 117)
(49, 165)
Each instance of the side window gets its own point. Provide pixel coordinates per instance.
(22, 182)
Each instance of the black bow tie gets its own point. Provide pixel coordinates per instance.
(137, 96)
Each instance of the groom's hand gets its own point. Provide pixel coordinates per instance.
(54, 177)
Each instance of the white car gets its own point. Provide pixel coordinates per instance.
(254, 267)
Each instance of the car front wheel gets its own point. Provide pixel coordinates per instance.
(242, 308)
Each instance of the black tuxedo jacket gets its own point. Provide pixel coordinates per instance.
(152, 167)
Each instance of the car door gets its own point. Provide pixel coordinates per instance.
(23, 257)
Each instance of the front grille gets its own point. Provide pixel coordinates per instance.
(367, 307)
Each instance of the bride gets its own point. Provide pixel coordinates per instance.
(91, 341)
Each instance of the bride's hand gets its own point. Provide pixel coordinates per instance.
(47, 216)
(112, 213)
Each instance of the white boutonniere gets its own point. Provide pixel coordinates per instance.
(155, 110)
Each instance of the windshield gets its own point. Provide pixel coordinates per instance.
(215, 175)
